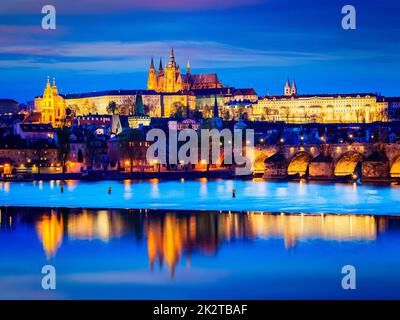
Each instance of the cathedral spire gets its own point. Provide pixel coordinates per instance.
(54, 81)
(288, 88)
(171, 58)
(294, 88)
(152, 78)
(215, 111)
(48, 81)
(160, 67)
(188, 67)
(152, 63)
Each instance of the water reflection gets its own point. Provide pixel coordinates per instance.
(173, 236)
(50, 229)
(101, 224)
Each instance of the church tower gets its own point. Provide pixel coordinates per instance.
(293, 90)
(160, 77)
(152, 78)
(288, 88)
(51, 105)
(170, 74)
(172, 79)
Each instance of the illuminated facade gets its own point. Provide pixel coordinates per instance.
(51, 105)
(155, 104)
(171, 79)
(97, 102)
(321, 108)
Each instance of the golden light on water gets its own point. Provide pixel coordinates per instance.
(293, 228)
(90, 226)
(170, 236)
(50, 230)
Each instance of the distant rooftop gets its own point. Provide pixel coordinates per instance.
(8, 101)
(107, 93)
(323, 95)
(37, 127)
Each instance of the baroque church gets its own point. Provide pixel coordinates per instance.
(51, 105)
(172, 80)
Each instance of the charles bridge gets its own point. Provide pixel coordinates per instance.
(374, 161)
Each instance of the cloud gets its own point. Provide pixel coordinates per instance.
(105, 6)
(27, 34)
(135, 56)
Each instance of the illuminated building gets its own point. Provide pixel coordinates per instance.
(155, 104)
(127, 150)
(171, 80)
(51, 105)
(184, 124)
(139, 118)
(321, 108)
(38, 156)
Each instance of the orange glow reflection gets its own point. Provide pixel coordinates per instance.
(89, 226)
(50, 230)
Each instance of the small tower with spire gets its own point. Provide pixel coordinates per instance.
(172, 79)
(160, 77)
(288, 88)
(160, 69)
(188, 68)
(293, 90)
(171, 62)
(152, 78)
(54, 87)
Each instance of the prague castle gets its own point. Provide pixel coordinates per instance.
(169, 91)
(321, 108)
(171, 80)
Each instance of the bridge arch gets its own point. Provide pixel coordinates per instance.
(395, 168)
(299, 163)
(348, 164)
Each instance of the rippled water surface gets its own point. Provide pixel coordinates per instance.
(207, 195)
(154, 254)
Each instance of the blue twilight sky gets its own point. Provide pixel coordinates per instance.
(102, 44)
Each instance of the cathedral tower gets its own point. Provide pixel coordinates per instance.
(160, 77)
(170, 78)
(170, 74)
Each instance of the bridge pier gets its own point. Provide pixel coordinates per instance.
(275, 167)
(376, 166)
(321, 167)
